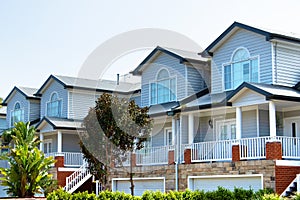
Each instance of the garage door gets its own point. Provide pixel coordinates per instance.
(140, 185)
(209, 183)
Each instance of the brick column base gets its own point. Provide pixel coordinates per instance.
(236, 153)
(171, 157)
(187, 156)
(273, 150)
(133, 160)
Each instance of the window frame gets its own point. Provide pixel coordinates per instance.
(47, 142)
(50, 101)
(22, 115)
(231, 63)
(170, 78)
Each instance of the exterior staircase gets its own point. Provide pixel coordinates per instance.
(75, 180)
(293, 188)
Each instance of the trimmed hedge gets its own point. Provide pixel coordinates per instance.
(219, 194)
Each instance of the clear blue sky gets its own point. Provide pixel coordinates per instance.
(39, 37)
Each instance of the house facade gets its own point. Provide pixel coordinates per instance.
(228, 116)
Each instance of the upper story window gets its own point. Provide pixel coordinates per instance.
(163, 88)
(17, 114)
(54, 106)
(242, 68)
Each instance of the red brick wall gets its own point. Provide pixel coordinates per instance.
(284, 176)
(187, 156)
(235, 153)
(61, 177)
(273, 151)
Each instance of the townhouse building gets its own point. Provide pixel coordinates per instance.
(227, 116)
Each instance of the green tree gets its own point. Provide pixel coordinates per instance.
(115, 129)
(28, 171)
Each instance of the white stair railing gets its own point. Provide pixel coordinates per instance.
(291, 185)
(76, 179)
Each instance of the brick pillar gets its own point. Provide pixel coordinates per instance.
(273, 150)
(133, 160)
(236, 152)
(171, 157)
(187, 156)
(61, 178)
(60, 161)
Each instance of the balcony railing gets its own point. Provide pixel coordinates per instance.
(211, 151)
(71, 159)
(153, 156)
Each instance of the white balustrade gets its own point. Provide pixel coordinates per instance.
(153, 155)
(253, 148)
(290, 147)
(71, 159)
(77, 178)
(211, 151)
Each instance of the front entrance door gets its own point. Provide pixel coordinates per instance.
(292, 127)
(226, 130)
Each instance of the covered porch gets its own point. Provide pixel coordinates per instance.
(59, 138)
(252, 118)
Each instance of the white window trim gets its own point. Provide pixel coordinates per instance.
(285, 123)
(166, 137)
(58, 99)
(10, 121)
(47, 141)
(231, 62)
(218, 122)
(169, 78)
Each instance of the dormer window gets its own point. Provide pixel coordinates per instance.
(163, 89)
(17, 114)
(242, 68)
(54, 106)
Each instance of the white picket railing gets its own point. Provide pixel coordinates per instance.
(290, 147)
(77, 178)
(153, 155)
(253, 148)
(211, 151)
(71, 159)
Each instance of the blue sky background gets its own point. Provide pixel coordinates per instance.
(39, 37)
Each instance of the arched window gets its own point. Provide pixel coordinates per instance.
(54, 106)
(242, 68)
(17, 114)
(163, 88)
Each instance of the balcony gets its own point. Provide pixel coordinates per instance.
(225, 150)
(71, 159)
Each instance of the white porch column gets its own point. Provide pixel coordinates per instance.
(59, 142)
(41, 143)
(191, 128)
(174, 136)
(272, 118)
(238, 118)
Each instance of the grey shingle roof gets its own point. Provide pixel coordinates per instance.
(99, 84)
(60, 123)
(29, 92)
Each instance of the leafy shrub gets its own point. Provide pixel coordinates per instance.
(219, 194)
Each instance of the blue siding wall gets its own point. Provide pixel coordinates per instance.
(62, 94)
(3, 125)
(137, 99)
(35, 110)
(80, 103)
(249, 124)
(256, 44)
(175, 69)
(70, 143)
(287, 63)
(24, 104)
(264, 128)
(195, 82)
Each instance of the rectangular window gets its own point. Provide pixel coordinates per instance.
(54, 109)
(237, 73)
(293, 129)
(16, 116)
(153, 93)
(163, 91)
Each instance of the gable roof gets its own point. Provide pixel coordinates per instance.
(269, 35)
(27, 92)
(89, 84)
(60, 123)
(269, 91)
(181, 55)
